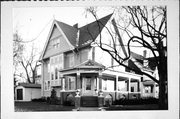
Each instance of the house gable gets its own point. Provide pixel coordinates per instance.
(90, 64)
(57, 42)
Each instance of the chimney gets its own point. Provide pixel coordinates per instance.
(75, 25)
(145, 61)
(77, 38)
(144, 53)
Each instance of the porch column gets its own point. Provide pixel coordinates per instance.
(42, 78)
(154, 90)
(97, 83)
(129, 85)
(78, 81)
(63, 83)
(100, 80)
(116, 90)
(138, 86)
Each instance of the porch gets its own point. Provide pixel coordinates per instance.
(90, 78)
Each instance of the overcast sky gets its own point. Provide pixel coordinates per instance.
(36, 22)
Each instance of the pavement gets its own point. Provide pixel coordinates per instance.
(89, 109)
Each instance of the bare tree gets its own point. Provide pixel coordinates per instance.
(18, 48)
(145, 26)
(29, 63)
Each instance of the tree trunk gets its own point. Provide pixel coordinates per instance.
(162, 70)
(162, 92)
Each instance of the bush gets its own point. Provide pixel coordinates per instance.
(39, 100)
(67, 103)
(136, 101)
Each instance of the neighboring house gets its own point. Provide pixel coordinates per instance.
(149, 88)
(70, 61)
(27, 91)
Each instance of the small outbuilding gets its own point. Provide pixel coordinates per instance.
(27, 91)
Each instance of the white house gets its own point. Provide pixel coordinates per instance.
(71, 62)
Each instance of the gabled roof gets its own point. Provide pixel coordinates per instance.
(30, 85)
(89, 32)
(133, 65)
(90, 64)
(137, 56)
(69, 31)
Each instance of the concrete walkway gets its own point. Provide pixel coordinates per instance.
(89, 109)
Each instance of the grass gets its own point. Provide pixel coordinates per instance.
(132, 107)
(40, 106)
(43, 106)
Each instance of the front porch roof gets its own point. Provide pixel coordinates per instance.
(87, 66)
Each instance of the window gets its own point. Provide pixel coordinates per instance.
(72, 83)
(61, 61)
(56, 43)
(83, 55)
(147, 89)
(48, 67)
(151, 89)
(104, 84)
(71, 60)
(88, 84)
(132, 89)
(47, 85)
(52, 75)
(56, 73)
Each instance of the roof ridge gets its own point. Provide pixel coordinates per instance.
(97, 20)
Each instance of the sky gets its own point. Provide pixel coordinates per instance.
(35, 22)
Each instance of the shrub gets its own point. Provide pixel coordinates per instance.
(136, 101)
(39, 100)
(67, 103)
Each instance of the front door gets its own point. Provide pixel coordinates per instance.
(89, 85)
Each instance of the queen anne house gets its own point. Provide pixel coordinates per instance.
(71, 62)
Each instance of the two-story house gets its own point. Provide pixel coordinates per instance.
(71, 62)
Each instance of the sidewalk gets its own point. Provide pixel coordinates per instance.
(88, 109)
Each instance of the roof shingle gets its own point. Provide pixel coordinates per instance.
(88, 33)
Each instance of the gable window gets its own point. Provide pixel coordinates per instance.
(56, 43)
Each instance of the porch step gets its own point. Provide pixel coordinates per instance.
(89, 101)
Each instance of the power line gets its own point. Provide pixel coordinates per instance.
(39, 33)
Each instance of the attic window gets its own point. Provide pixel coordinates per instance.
(56, 43)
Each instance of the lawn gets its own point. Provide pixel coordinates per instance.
(40, 106)
(132, 107)
(43, 106)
